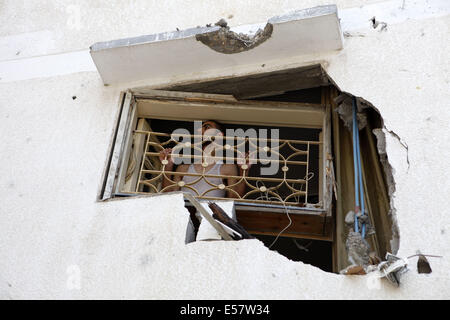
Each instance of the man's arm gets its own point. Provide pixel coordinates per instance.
(239, 188)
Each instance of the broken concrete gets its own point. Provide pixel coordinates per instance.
(393, 268)
(345, 111)
(362, 219)
(381, 146)
(206, 231)
(423, 266)
(226, 41)
(357, 248)
(376, 23)
(388, 171)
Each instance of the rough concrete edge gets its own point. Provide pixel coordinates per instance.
(384, 160)
(228, 42)
(139, 196)
(388, 172)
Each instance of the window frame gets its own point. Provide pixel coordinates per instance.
(128, 114)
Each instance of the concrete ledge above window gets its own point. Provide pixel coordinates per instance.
(302, 32)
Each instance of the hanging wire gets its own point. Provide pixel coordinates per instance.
(265, 196)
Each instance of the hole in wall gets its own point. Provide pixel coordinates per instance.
(307, 84)
(314, 252)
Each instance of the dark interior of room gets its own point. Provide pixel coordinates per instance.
(313, 252)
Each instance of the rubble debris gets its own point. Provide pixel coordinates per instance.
(345, 111)
(222, 217)
(393, 268)
(357, 249)
(221, 23)
(388, 173)
(206, 215)
(402, 143)
(362, 219)
(374, 259)
(354, 270)
(381, 147)
(376, 23)
(228, 42)
(423, 266)
(361, 259)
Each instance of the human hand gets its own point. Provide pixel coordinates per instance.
(246, 164)
(165, 155)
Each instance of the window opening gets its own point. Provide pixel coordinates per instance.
(311, 195)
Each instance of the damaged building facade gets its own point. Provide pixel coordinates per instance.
(90, 90)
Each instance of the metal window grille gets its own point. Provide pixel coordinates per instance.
(280, 189)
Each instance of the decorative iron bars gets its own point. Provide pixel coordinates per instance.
(288, 186)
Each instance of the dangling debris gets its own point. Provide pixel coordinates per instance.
(357, 249)
(374, 259)
(393, 268)
(206, 215)
(344, 109)
(354, 270)
(222, 217)
(221, 23)
(359, 255)
(226, 41)
(423, 266)
(362, 219)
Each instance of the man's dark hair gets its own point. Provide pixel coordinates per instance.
(218, 124)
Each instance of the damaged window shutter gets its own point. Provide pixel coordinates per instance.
(118, 146)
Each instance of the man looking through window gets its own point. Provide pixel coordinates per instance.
(235, 187)
(197, 185)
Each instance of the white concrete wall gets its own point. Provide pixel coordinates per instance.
(53, 151)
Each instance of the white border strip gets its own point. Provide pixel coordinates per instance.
(46, 66)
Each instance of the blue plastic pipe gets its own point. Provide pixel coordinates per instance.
(355, 163)
(361, 186)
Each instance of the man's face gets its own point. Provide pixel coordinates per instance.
(212, 126)
(209, 130)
